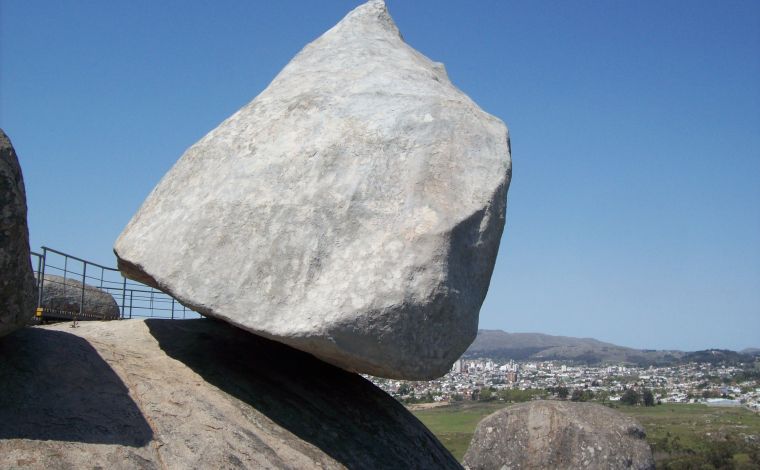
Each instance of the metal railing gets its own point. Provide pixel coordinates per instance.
(82, 289)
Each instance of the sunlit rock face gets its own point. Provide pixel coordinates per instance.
(182, 394)
(353, 210)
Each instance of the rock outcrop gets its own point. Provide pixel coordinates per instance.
(353, 210)
(59, 294)
(17, 286)
(558, 435)
(193, 394)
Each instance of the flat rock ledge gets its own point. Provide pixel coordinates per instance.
(558, 435)
(192, 394)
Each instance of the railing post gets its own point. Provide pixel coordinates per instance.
(84, 279)
(172, 308)
(65, 271)
(130, 303)
(41, 274)
(124, 298)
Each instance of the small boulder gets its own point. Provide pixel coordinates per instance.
(65, 295)
(353, 210)
(558, 435)
(17, 285)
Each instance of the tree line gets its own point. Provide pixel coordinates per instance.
(630, 396)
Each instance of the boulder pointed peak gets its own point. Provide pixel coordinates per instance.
(371, 9)
(371, 15)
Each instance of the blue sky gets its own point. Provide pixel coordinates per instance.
(634, 211)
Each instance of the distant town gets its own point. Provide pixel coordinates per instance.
(485, 379)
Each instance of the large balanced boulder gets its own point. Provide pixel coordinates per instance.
(193, 394)
(558, 435)
(64, 296)
(17, 285)
(352, 210)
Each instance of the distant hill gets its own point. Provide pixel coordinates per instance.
(751, 351)
(717, 356)
(500, 345)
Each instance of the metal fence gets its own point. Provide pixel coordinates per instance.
(76, 290)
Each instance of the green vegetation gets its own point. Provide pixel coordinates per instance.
(682, 436)
(647, 398)
(582, 395)
(630, 397)
(697, 436)
(561, 392)
(455, 424)
(518, 396)
(509, 395)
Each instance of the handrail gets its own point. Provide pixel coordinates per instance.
(131, 297)
(79, 259)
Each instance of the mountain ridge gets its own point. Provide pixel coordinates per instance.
(501, 345)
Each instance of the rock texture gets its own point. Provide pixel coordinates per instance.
(352, 210)
(66, 295)
(17, 286)
(193, 394)
(558, 435)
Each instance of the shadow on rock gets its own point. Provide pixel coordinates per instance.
(55, 386)
(339, 412)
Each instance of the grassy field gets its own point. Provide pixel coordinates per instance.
(455, 424)
(676, 432)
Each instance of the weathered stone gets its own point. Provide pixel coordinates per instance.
(352, 210)
(561, 435)
(195, 394)
(59, 294)
(17, 286)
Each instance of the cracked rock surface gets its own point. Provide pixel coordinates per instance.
(558, 435)
(352, 210)
(17, 285)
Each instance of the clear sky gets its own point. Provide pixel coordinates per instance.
(634, 211)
